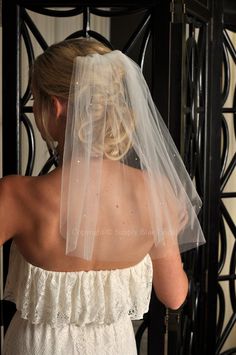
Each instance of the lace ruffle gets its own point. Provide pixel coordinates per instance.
(81, 298)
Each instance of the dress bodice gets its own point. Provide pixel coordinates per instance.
(81, 297)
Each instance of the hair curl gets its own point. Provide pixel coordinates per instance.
(51, 76)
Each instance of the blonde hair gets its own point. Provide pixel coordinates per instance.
(51, 76)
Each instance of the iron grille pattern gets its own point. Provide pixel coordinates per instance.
(227, 255)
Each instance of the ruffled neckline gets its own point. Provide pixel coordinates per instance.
(79, 297)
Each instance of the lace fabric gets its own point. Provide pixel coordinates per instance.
(79, 298)
(24, 338)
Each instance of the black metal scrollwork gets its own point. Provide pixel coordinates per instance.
(193, 143)
(228, 166)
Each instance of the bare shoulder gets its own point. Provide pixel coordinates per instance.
(11, 187)
(17, 194)
(9, 180)
(16, 190)
(17, 185)
(23, 201)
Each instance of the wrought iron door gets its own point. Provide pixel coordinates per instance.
(226, 286)
(191, 102)
(206, 46)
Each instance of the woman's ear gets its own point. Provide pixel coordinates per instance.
(60, 107)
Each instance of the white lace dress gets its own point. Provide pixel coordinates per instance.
(85, 312)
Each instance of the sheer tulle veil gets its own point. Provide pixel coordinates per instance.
(106, 204)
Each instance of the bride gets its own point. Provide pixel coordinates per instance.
(91, 236)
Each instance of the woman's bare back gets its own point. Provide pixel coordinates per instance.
(36, 211)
